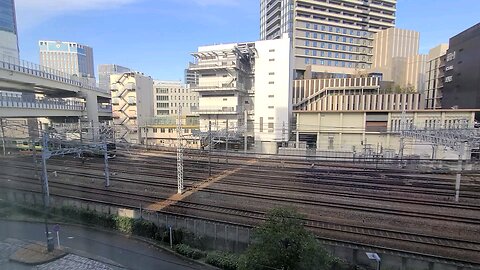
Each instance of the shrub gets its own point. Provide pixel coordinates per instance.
(222, 260)
(124, 224)
(144, 228)
(190, 252)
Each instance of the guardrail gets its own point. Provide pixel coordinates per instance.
(18, 65)
(46, 103)
(217, 110)
(104, 108)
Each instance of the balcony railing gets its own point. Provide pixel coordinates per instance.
(217, 110)
(14, 64)
(105, 108)
(45, 103)
(219, 86)
(219, 64)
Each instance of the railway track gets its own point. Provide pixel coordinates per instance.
(303, 201)
(60, 189)
(244, 181)
(197, 170)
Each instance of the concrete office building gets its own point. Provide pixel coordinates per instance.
(334, 36)
(462, 70)
(372, 133)
(395, 56)
(225, 78)
(169, 95)
(248, 84)
(104, 72)
(132, 104)
(272, 101)
(435, 76)
(68, 57)
(191, 77)
(162, 131)
(8, 30)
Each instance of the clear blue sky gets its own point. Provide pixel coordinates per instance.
(156, 36)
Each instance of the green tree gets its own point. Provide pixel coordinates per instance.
(282, 242)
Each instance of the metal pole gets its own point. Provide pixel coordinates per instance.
(171, 237)
(210, 148)
(245, 137)
(80, 130)
(106, 169)
(459, 173)
(46, 193)
(179, 152)
(226, 143)
(93, 131)
(3, 137)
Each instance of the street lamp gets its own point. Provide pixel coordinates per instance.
(375, 257)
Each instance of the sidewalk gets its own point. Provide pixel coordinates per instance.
(96, 246)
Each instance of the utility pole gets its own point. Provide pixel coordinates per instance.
(3, 137)
(226, 143)
(146, 137)
(105, 158)
(461, 152)
(209, 148)
(179, 152)
(245, 137)
(403, 127)
(283, 134)
(46, 192)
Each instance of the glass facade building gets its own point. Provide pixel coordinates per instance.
(7, 16)
(8, 31)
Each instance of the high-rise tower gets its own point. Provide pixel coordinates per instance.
(69, 57)
(332, 36)
(8, 30)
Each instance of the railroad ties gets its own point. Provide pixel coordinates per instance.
(198, 187)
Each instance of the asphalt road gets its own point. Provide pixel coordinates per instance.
(130, 253)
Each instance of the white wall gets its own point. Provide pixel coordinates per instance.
(145, 100)
(276, 94)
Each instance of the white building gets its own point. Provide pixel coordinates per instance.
(273, 84)
(247, 85)
(104, 72)
(69, 57)
(132, 104)
(225, 78)
(169, 95)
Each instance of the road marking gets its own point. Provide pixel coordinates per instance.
(204, 184)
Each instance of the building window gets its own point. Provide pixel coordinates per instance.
(155, 130)
(271, 107)
(271, 73)
(271, 96)
(448, 79)
(450, 56)
(271, 82)
(271, 50)
(271, 59)
(270, 127)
